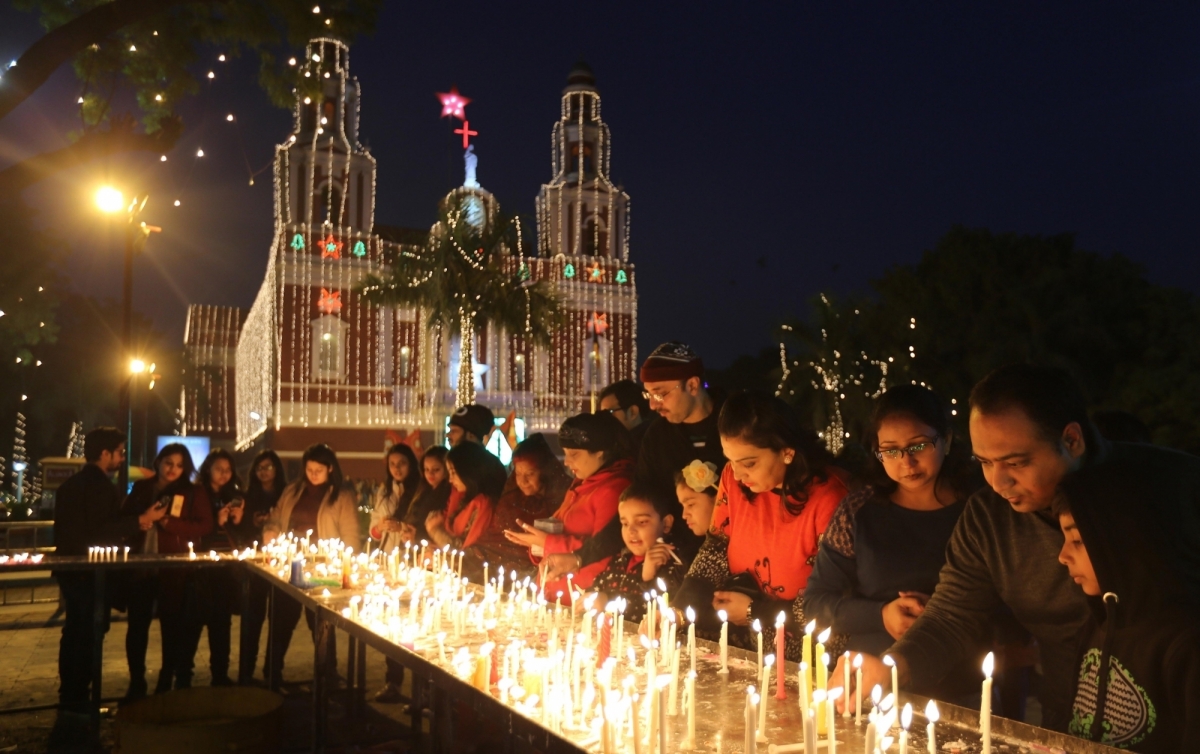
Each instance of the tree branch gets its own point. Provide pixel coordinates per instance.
(118, 139)
(61, 44)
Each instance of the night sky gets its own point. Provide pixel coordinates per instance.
(771, 151)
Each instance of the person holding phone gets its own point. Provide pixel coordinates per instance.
(217, 588)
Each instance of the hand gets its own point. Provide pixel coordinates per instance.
(236, 512)
(560, 564)
(391, 525)
(656, 557)
(736, 604)
(222, 516)
(261, 517)
(435, 520)
(874, 673)
(151, 515)
(529, 536)
(900, 614)
(408, 532)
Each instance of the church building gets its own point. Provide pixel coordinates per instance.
(312, 362)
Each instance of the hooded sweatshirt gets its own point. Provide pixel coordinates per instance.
(1139, 519)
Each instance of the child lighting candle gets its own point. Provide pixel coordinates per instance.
(905, 721)
(932, 715)
(985, 706)
(780, 651)
(768, 662)
(724, 645)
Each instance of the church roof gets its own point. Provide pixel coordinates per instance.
(581, 78)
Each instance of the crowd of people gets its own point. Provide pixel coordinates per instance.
(1035, 537)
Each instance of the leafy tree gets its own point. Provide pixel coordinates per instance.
(466, 275)
(153, 47)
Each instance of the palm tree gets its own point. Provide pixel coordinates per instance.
(460, 279)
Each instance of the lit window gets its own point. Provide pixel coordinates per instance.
(329, 348)
(405, 361)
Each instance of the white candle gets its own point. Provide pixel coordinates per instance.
(724, 645)
(985, 706)
(689, 690)
(830, 721)
(804, 690)
(691, 616)
(887, 660)
(846, 682)
(905, 721)
(748, 743)
(761, 737)
(673, 697)
(810, 732)
(858, 689)
(869, 738)
(756, 626)
(932, 715)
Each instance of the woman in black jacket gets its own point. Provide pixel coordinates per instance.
(217, 588)
(267, 480)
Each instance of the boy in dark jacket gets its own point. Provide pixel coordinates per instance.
(1135, 552)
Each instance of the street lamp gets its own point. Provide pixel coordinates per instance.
(111, 201)
(19, 467)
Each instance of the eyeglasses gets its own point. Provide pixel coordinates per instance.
(657, 398)
(895, 454)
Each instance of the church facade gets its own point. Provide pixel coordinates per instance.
(310, 361)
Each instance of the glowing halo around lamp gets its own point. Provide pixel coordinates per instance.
(109, 200)
(137, 366)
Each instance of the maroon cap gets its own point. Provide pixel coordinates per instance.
(672, 361)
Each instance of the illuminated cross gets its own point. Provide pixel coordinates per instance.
(466, 132)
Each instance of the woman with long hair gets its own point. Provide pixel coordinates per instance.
(535, 489)
(319, 503)
(776, 496)
(267, 480)
(435, 498)
(217, 590)
(476, 480)
(880, 557)
(402, 485)
(186, 520)
(597, 450)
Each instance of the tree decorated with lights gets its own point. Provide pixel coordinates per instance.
(459, 279)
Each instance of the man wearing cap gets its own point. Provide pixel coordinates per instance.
(673, 378)
(472, 423)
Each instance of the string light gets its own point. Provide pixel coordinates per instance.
(162, 158)
(211, 75)
(176, 202)
(229, 117)
(199, 152)
(221, 57)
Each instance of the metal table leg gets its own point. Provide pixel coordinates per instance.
(360, 697)
(351, 677)
(320, 690)
(273, 679)
(99, 610)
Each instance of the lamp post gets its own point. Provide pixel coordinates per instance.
(111, 201)
(19, 467)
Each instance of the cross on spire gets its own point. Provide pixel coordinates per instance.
(466, 132)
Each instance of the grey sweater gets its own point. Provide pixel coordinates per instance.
(994, 556)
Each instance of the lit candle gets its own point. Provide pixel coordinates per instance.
(830, 720)
(805, 693)
(846, 682)
(780, 651)
(756, 627)
(806, 649)
(191, 552)
(761, 737)
(858, 689)
(905, 721)
(126, 553)
(985, 706)
(887, 660)
(691, 616)
(810, 732)
(485, 575)
(932, 715)
(822, 660)
(724, 644)
(869, 739)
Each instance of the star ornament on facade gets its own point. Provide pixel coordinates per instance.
(595, 273)
(598, 323)
(331, 247)
(453, 103)
(329, 303)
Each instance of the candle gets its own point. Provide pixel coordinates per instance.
(126, 553)
(756, 626)
(830, 720)
(805, 693)
(724, 645)
(673, 703)
(858, 689)
(780, 651)
(637, 728)
(985, 705)
(806, 649)
(887, 660)
(905, 721)
(620, 626)
(869, 738)
(932, 715)
(810, 732)
(663, 680)
(191, 552)
(748, 743)
(691, 616)
(846, 682)
(768, 661)
(822, 660)
(689, 690)
(485, 575)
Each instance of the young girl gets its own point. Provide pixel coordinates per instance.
(393, 500)
(696, 488)
(437, 494)
(645, 520)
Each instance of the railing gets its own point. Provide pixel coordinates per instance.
(32, 537)
(24, 536)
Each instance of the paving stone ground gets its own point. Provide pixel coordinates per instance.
(29, 678)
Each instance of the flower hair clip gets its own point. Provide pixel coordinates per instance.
(700, 475)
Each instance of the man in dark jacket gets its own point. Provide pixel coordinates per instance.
(87, 513)
(686, 430)
(625, 400)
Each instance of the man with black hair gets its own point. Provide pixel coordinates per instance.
(471, 423)
(87, 513)
(1029, 430)
(626, 401)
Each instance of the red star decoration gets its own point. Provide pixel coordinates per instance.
(330, 303)
(331, 247)
(453, 103)
(595, 273)
(598, 323)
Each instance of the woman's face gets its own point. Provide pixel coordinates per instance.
(697, 508)
(317, 473)
(455, 482)
(759, 469)
(170, 468)
(913, 471)
(582, 463)
(265, 471)
(398, 466)
(435, 472)
(528, 477)
(219, 474)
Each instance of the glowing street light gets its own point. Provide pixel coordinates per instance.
(137, 366)
(109, 200)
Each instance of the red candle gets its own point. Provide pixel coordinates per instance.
(604, 647)
(780, 654)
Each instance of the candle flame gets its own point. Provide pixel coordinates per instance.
(780, 619)
(757, 626)
(590, 600)
(818, 696)
(662, 585)
(825, 658)
(810, 628)
(906, 716)
(645, 641)
(886, 744)
(834, 694)
(857, 662)
(876, 694)
(824, 635)
(989, 664)
(691, 615)
(887, 660)
(931, 712)
(724, 616)
(769, 660)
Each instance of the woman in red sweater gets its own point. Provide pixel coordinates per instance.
(597, 450)
(776, 497)
(476, 481)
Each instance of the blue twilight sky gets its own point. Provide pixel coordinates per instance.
(771, 150)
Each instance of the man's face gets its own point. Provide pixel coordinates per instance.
(1019, 462)
(1075, 557)
(111, 460)
(674, 400)
(627, 416)
(455, 434)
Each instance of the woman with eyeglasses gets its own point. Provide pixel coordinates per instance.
(880, 557)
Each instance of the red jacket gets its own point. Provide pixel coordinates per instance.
(468, 522)
(587, 508)
(194, 521)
